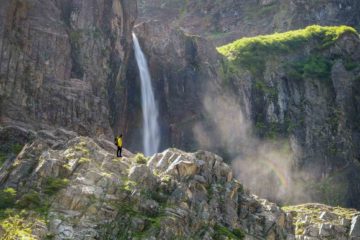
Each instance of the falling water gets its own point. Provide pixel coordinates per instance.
(151, 138)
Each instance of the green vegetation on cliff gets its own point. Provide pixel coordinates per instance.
(283, 42)
(295, 56)
(252, 52)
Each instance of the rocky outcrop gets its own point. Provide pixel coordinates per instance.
(228, 20)
(317, 221)
(62, 63)
(68, 187)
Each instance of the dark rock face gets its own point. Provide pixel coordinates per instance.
(317, 112)
(62, 63)
(228, 20)
(182, 68)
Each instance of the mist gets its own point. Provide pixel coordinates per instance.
(265, 167)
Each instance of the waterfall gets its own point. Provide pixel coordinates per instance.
(151, 131)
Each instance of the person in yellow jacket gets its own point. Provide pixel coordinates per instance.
(119, 144)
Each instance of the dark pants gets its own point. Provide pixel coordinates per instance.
(118, 153)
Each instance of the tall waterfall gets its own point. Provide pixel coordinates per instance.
(151, 136)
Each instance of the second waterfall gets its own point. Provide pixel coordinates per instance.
(151, 132)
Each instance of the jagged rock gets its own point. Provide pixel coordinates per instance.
(92, 195)
(142, 175)
(317, 221)
(355, 227)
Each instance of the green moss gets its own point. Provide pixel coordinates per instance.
(53, 185)
(283, 42)
(221, 231)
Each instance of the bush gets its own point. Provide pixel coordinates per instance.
(2, 158)
(53, 185)
(29, 200)
(140, 158)
(16, 148)
(221, 231)
(7, 198)
(16, 227)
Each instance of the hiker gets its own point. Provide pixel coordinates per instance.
(119, 143)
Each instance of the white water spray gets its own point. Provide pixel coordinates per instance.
(151, 138)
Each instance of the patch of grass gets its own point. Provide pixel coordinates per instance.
(7, 198)
(221, 231)
(53, 185)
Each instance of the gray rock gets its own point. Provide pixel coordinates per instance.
(355, 227)
(328, 216)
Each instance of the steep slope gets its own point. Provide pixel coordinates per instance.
(228, 20)
(304, 85)
(62, 186)
(62, 63)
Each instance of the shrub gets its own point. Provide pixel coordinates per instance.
(15, 227)
(140, 158)
(16, 148)
(29, 200)
(53, 185)
(2, 158)
(221, 231)
(7, 198)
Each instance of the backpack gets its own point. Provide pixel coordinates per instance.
(116, 141)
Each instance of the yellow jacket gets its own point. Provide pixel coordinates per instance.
(119, 142)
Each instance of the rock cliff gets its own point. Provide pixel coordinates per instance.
(228, 20)
(182, 67)
(62, 63)
(304, 85)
